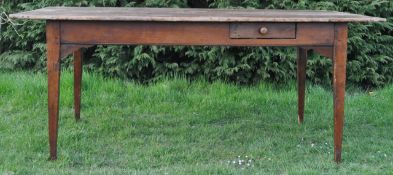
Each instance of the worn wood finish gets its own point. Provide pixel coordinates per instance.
(167, 33)
(53, 65)
(191, 15)
(301, 81)
(339, 74)
(70, 29)
(78, 61)
(271, 30)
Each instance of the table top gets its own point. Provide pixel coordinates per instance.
(190, 15)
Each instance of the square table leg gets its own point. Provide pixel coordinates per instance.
(339, 75)
(78, 60)
(53, 66)
(301, 81)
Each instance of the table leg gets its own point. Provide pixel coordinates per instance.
(53, 66)
(339, 75)
(301, 81)
(78, 59)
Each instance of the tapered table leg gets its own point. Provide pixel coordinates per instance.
(301, 81)
(78, 59)
(53, 65)
(339, 74)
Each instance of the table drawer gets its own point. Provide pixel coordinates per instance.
(262, 30)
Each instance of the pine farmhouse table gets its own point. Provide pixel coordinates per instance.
(70, 29)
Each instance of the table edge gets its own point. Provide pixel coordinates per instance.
(21, 16)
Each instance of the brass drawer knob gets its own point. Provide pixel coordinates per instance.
(263, 30)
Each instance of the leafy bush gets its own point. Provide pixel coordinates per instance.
(370, 50)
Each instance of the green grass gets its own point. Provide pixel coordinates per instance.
(177, 127)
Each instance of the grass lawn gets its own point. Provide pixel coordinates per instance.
(177, 127)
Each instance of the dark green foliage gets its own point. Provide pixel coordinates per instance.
(16, 59)
(370, 50)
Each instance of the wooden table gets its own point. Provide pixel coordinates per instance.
(69, 29)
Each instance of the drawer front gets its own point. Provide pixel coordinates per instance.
(262, 30)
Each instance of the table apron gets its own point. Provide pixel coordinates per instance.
(184, 33)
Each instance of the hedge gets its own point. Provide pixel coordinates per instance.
(370, 49)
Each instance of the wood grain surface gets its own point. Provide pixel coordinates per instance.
(183, 33)
(53, 65)
(191, 15)
(252, 30)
